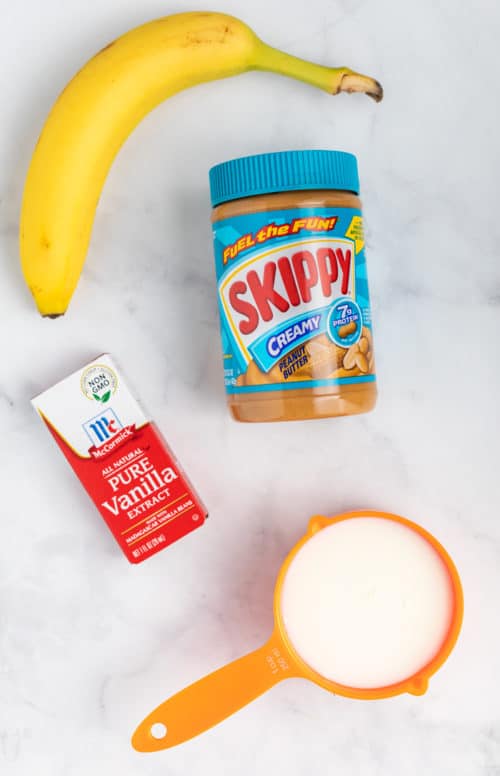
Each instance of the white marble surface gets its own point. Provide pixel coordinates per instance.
(88, 644)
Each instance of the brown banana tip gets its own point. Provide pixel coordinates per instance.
(355, 82)
(53, 316)
(378, 92)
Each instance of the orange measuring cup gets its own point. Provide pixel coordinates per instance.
(287, 654)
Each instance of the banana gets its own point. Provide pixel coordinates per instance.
(100, 107)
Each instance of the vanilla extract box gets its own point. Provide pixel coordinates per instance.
(121, 459)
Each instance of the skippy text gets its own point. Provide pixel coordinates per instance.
(269, 287)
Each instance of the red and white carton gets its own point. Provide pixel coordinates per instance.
(121, 459)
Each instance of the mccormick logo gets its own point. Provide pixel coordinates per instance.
(276, 299)
(101, 428)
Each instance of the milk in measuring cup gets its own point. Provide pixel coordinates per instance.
(367, 602)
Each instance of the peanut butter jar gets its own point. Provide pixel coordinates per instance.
(292, 284)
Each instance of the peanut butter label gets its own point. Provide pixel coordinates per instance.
(293, 298)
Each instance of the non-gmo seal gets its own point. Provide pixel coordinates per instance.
(99, 383)
(345, 322)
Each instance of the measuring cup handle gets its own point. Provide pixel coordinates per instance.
(215, 697)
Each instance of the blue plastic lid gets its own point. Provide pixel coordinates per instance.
(283, 171)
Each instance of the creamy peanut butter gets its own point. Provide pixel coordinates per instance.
(293, 294)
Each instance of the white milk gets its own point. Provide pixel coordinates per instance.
(367, 602)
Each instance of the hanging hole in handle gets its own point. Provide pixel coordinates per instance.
(158, 731)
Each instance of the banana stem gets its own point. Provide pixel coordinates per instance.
(331, 79)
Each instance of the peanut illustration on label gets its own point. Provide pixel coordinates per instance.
(349, 328)
(318, 359)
